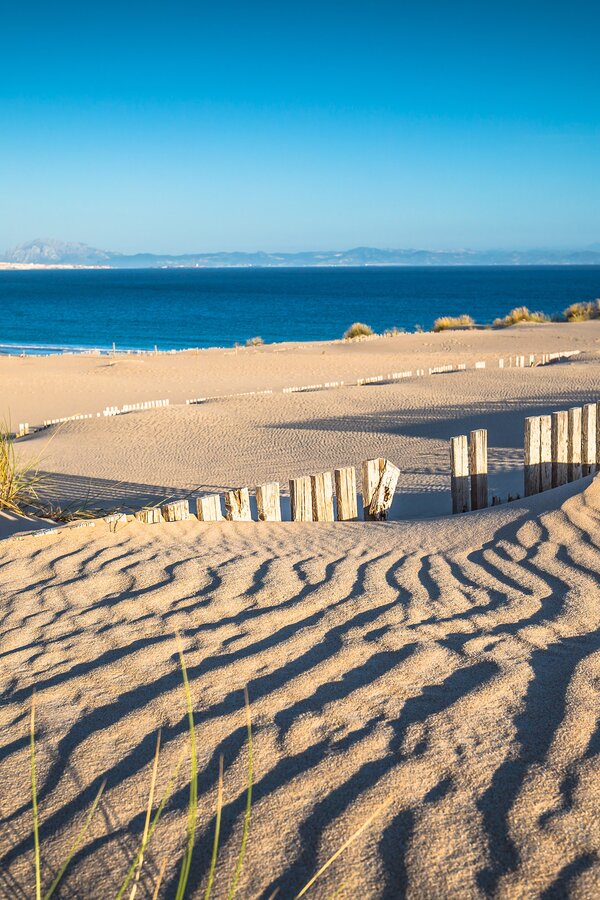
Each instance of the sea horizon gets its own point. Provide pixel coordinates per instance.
(82, 310)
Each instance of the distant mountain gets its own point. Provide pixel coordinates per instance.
(50, 252)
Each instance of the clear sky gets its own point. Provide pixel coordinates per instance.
(287, 126)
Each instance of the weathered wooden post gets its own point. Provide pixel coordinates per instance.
(268, 502)
(574, 443)
(237, 505)
(459, 473)
(531, 471)
(478, 467)
(176, 511)
(208, 508)
(322, 497)
(560, 448)
(545, 453)
(150, 516)
(345, 494)
(588, 439)
(301, 499)
(383, 495)
(372, 470)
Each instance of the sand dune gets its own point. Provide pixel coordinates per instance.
(446, 667)
(454, 671)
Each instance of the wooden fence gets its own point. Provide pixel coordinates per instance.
(322, 497)
(558, 448)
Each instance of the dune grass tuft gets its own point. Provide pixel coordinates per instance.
(358, 329)
(132, 877)
(582, 312)
(445, 323)
(254, 342)
(520, 314)
(19, 482)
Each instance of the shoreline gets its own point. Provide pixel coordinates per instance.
(17, 350)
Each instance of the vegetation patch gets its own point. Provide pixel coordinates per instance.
(357, 330)
(582, 312)
(445, 323)
(521, 314)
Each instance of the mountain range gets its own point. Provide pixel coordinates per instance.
(53, 253)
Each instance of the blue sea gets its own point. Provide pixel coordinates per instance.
(58, 310)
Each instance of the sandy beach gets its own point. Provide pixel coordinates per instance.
(441, 671)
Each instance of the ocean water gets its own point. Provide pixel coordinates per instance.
(56, 310)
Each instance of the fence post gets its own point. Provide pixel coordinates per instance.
(532, 456)
(208, 508)
(301, 499)
(345, 494)
(383, 495)
(588, 439)
(322, 497)
(149, 516)
(237, 505)
(478, 465)
(372, 470)
(560, 448)
(459, 474)
(177, 511)
(268, 502)
(574, 443)
(545, 453)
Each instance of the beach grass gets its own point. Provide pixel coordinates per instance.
(521, 314)
(582, 312)
(132, 877)
(445, 323)
(358, 329)
(19, 482)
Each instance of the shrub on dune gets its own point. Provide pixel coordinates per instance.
(445, 323)
(582, 312)
(356, 330)
(521, 314)
(254, 342)
(19, 482)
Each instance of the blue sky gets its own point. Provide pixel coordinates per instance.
(182, 127)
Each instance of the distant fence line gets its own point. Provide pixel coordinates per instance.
(24, 428)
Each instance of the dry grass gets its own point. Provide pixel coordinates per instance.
(582, 312)
(521, 314)
(254, 342)
(447, 322)
(358, 329)
(19, 482)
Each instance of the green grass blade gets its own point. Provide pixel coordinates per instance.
(148, 815)
(193, 801)
(246, 829)
(215, 850)
(157, 816)
(76, 844)
(36, 831)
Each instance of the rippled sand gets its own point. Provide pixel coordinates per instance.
(445, 668)
(454, 671)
